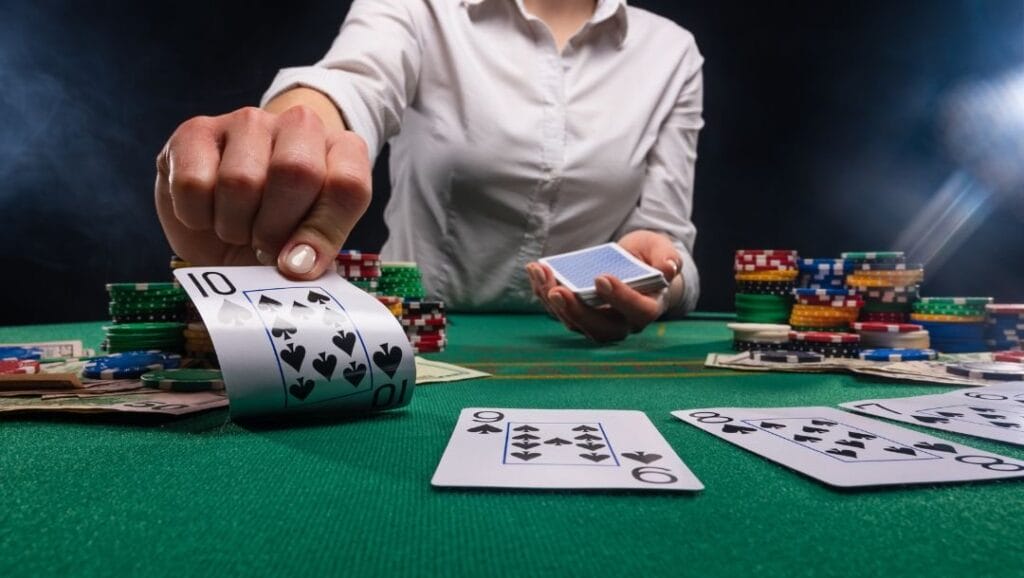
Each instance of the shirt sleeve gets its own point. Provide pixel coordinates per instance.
(666, 200)
(371, 70)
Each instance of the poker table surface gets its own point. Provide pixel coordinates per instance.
(201, 495)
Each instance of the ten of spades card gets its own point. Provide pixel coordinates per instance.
(847, 450)
(286, 346)
(582, 449)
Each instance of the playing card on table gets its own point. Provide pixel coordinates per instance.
(847, 450)
(577, 270)
(581, 449)
(995, 412)
(291, 346)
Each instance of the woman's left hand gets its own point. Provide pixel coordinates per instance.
(627, 310)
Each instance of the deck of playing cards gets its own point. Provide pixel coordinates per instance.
(578, 269)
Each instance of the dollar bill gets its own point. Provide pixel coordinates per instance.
(431, 371)
(51, 349)
(143, 401)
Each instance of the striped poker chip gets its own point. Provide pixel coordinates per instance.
(427, 322)
(353, 255)
(977, 301)
(767, 253)
(787, 356)
(12, 366)
(898, 354)
(885, 327)
(995, 370)
(1005, 308)
(824, 337)
(1009, 356)
(751, 268)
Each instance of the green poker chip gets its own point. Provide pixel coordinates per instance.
(957, 301)
(185, 380)
(151, 328)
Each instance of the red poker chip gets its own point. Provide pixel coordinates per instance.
(755, 259)
(423, 322)
(18, 366)
(830, 301)
(1005, 308)
(767, 253)
(750, 268)
(873, 326)
(1009, 356)
(824, 337)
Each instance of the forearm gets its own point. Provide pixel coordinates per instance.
(315, 100)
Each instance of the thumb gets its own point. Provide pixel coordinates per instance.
(342, 201)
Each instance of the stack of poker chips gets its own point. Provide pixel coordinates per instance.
(764, 281)
(199, 352)
(822, 273)
(360, 269)
(146, 316)
(879, 335)
(401, 278)
(886, 283)
(824, 310)
(828, 344)
(955, 324)
(425, 325)
(1004, 326)
(759, 336)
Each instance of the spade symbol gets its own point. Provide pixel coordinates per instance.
(354, 373)
(982, 409)
(345, 341)
(823, 422)
(591, 446)
(301, 310)
(937, 447)
(642, 457)
(557, 442)
(526, 445)
(318, 298)
(595, 457)
(267, 304)
(294, 355)
(810, 439)
(860, 436)
(1006, 424)
(904, 451)
(301, 388)
(584, 428)
(525, 428)
(525, 436)
(729, 428)
(525, 456)
(839, 452)
(484, 429)
(283, 329)
(388, 359)
(325, 364)
(851, 443)
(810, 429)
(992, 416)
(950, 414)
(333, 319)
(770, 425)
(233, 313)
(929, 419)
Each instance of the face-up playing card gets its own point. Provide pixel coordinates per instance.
(995, 412)
(847, 450)
(577, 270)
(287, 346)
(582, 449)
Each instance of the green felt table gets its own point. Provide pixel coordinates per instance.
(204, 496)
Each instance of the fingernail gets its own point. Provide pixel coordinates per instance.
(263, 258)
(603, 285)
(675, 266)
(301, 259)
(557, 301)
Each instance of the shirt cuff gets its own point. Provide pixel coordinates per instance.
(334, 85)
(691, 290)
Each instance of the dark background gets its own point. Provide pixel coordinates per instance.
(821, 130)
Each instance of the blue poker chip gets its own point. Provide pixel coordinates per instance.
(130, 364)
(831, 292)
(898, 354)
(20, 353)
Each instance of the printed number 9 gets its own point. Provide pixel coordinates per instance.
(654, 475)
(488, 416)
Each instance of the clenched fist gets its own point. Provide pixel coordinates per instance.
(255, 186)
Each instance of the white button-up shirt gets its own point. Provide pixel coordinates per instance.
(504, 150)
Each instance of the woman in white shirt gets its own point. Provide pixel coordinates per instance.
(518, 129)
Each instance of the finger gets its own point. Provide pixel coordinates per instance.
(600, 325)
(295, 176)
(547, 283)
(189, 164)
(241, 176)
(637, 309)
(342, 201)
(661, 254)
(540, 288)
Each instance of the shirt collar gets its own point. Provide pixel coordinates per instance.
(606, 10)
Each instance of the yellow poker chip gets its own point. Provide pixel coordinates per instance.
(825, 310)
(812, 321)
(946, 318)
(879, 281)
(768, 276)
